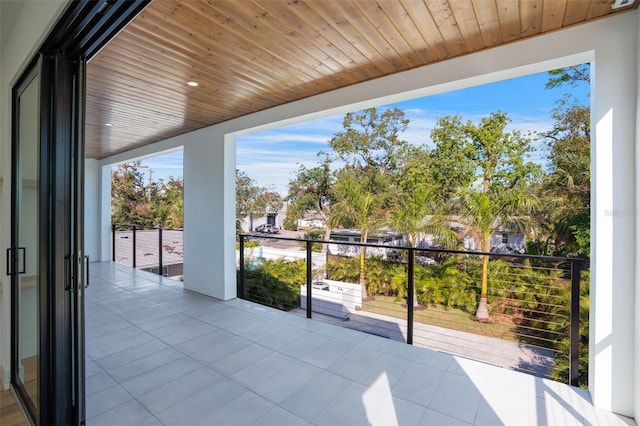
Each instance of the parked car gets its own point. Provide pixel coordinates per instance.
(268, 229)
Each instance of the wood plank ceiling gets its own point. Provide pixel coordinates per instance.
(249, 55)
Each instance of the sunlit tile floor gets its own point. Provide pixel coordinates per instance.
(158, 354)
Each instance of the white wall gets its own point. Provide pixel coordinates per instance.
(97, 211)
(93, 209)
(105, 243)
(614, 87)
(29, 28)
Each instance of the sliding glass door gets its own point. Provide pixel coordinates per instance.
(46, 261)
(24, 255)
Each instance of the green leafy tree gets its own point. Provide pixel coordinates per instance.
(129, 205)
(415, 206)
(268, 202)
(567, 187)
(567, 191)
(573, 75)
(247, 192)
(481, 212)
(452, 168)
(167, 202)
(498, 160)
(252, 200)
(312, 190)
(370, 144)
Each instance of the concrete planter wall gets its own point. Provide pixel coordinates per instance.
(334, 298)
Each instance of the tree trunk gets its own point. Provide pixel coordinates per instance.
(327, 237)
(363, 252)
(412, 253)
(416, 305)
(483, 310)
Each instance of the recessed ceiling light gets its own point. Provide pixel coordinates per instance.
(108, 124)
(193, 83)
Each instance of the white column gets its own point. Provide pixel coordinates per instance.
(92, 206)
(613, 245)
(97, 211)
(209, 214)
(105, 214)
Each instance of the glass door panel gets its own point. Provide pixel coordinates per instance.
(25, 250)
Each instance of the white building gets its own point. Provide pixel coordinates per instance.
(503, 240)
(391, 239)
(249, 224)
(310, 220)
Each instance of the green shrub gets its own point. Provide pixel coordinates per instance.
(313, 234)
(248, 244)
(275, 283)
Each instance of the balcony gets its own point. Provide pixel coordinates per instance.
(159, 354)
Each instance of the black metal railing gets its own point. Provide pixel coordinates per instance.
(428, 297)
(148, 248)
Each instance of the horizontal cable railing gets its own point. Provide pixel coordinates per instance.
(153, 248)
(429, 297)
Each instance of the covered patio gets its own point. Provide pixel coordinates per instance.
(197, 75)
(210, 164)
(160, 354)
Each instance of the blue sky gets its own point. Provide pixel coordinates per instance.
(272, 157)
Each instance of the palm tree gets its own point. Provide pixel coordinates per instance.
(411, 217)
(481, 212)
(357, 208)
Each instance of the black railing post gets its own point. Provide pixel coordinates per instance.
(160, 250)
(134, 246)
(240, 286)
(574, 350)
(410, 287)
(309, 277)
(113, 242)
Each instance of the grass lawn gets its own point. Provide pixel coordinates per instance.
(454, 319)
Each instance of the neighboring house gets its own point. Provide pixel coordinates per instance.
(248, 224)
(506, 242)
(392, 239)
(502, 241)
(310, 220)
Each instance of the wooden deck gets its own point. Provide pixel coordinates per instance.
(10, 414)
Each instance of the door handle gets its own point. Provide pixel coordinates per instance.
(68, 273)
(86, 260)
(9, 261)
(77, 273)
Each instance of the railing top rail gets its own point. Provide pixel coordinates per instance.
(125, 227)
(584, 262)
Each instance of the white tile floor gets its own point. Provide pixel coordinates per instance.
(157, 354)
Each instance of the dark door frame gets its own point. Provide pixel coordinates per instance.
(34, 70)
(83, 28)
